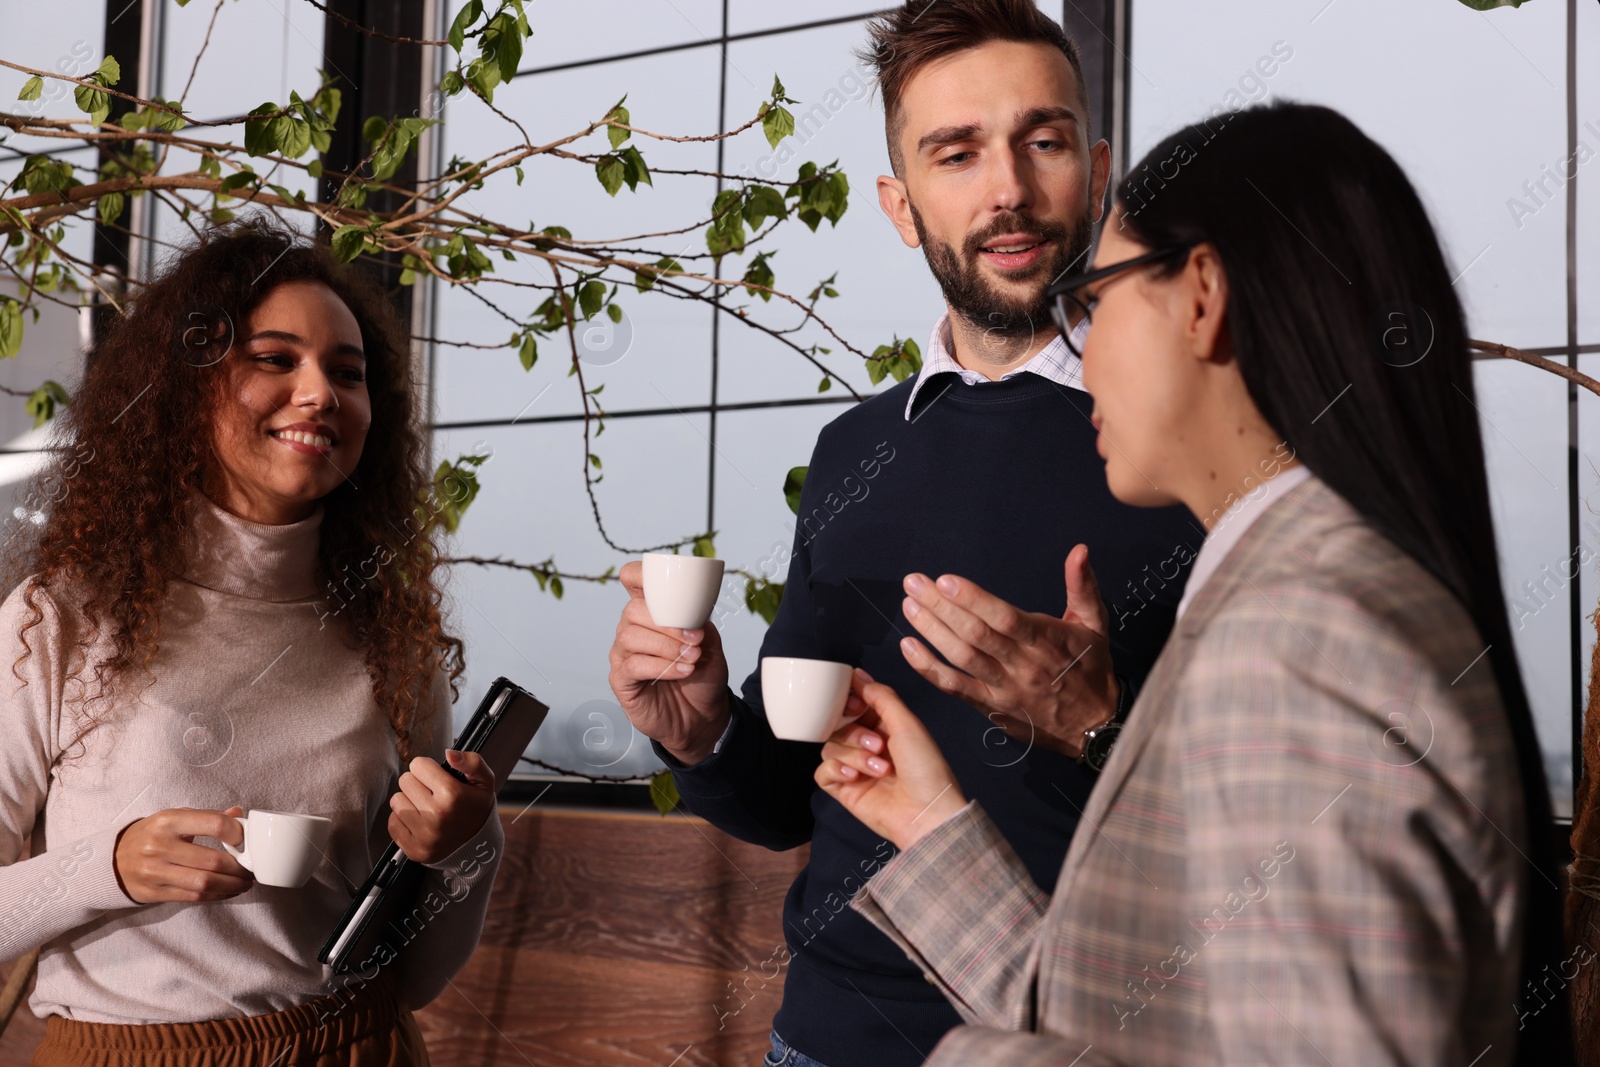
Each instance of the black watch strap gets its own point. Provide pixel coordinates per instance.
(1099, 739)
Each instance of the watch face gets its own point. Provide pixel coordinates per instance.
(1098, 748)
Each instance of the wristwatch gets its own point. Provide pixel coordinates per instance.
(1098, 740)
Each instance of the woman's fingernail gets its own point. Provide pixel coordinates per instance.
(685, 668)
(876, 764)
(688, 652)
(872, 742)
(947, 585)
(693, 635)
(916, 583)
(911, 608)
(846, 771)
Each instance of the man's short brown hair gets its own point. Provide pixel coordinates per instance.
(905, 40)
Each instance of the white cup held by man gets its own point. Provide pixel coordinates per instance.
(805, 698)
(281, 848)
(680, 591)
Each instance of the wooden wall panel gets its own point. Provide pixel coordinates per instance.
(613, 940)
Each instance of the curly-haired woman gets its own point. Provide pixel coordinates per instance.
(245, 440)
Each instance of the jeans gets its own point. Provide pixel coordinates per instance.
(784, 1056)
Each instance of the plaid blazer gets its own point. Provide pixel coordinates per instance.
(1305, 848)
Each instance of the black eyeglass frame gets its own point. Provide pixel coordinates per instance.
(1059, 293)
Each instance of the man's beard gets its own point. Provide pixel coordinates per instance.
(970, 294)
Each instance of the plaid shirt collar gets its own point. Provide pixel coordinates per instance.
(1055, 361)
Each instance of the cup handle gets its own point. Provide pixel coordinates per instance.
(241, 854)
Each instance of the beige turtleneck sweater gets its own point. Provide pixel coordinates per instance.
(254, 702)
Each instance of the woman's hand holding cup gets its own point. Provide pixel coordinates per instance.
(886, 769)
(157, 862)
(436, 813)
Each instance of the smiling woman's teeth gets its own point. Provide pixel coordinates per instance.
(314, 439)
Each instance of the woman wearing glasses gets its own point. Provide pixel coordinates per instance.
(1324, 833)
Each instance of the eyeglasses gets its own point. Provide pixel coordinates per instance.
(1063, 295)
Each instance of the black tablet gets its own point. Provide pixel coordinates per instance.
(500, 731)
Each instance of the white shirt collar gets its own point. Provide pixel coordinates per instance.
(1055, 361)
(1232, 526)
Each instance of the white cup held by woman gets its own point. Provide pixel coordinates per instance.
(281, 848)
(805, 698)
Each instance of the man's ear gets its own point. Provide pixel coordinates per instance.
(1099, 178)
(897, 206)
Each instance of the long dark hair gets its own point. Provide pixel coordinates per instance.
(144, 414)
(1336, 279)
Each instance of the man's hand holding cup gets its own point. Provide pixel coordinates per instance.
(667, 667)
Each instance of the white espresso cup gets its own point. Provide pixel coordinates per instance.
(805, 698)
(281, 848)
(680, 590)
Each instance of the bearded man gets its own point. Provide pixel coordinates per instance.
(950, 506)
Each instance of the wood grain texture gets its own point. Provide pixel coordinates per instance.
(612, 940)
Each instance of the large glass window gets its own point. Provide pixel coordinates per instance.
(1474, 105)
(732, 409)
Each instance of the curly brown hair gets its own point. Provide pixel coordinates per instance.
(145, 409)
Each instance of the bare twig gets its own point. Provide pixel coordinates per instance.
(1538, 361)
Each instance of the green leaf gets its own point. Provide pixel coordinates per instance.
(237, 181)
(110, 71)
(31, 88)
(451, 83)
(645, 279)
(469, 14)
(777, 123)
(294, 136)
(10, 327)
(763, 598)
(910, 360)
(793, 482)
(42, 403)
(483, 76)
(590, 297)
(502, 42)
(875, 367)
(314, 168)
(615, 312)
(348, 242)
(633, 169)
(726, 233)
(594, 461)
(617, 136)
(528, 351)
(759, 274)
(260, 131)
(610, 171)
(92, 102)
(41, 174)
(827, 383)
(455, 487)
(703, 546)
(761, 203)
(663, 792)
(555, 585)
(824, 288)
(110, 207)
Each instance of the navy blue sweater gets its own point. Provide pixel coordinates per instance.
(994, 482)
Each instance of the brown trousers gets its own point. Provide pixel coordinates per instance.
(368, 1027)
